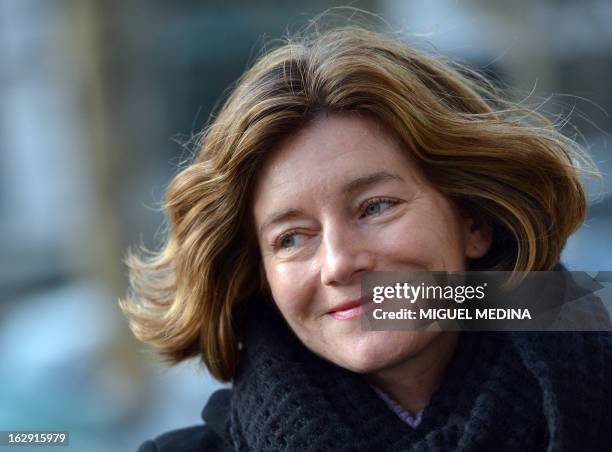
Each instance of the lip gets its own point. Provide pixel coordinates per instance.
(348, 310)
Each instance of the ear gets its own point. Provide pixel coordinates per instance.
(478, 235)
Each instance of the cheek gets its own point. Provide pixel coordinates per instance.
(403, 242)
(291, 289)
(445, 238)
(426, 238)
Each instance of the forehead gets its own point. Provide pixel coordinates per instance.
(328, 150)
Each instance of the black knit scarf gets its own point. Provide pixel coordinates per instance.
(501, 391)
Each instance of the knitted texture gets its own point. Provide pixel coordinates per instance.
(501, 391)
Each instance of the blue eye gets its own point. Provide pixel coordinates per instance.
(377, 206)
(288, 240)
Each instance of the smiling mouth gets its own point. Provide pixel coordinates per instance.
(350, 310)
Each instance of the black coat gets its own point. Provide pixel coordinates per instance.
(209, 437)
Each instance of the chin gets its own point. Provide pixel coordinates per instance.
(375, 351)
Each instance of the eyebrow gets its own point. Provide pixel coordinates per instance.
(281, 216)
(351, 187)
(370, 179)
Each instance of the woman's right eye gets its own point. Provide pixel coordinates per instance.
(288, 240)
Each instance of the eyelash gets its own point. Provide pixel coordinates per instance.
(277, 244)
(371, 202)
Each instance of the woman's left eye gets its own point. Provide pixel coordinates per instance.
(377, 206)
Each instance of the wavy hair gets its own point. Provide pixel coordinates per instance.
(503, 163)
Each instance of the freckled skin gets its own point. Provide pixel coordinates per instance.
(315, 260)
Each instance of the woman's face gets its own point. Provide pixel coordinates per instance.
(338, 199)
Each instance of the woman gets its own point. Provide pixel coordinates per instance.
(348, 152)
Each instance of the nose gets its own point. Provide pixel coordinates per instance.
(344, 255)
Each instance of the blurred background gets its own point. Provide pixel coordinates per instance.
(97, 99)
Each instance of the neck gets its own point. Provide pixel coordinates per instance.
(411, 382)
